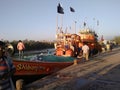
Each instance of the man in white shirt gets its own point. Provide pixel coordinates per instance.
(85, 49)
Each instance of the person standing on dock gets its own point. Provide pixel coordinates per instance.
(20, 47)
(80, 44)
(7, 69)
(85, 49)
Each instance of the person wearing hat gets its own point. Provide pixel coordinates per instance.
(7, 69)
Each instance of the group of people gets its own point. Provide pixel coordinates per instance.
(107, 47)
(73, 50)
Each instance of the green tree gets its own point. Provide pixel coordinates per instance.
(117, 39)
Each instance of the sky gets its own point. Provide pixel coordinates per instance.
(38, 19)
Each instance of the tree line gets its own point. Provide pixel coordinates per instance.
(32, 45)
(117, 39)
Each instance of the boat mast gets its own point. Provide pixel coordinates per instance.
(75, 27)
(60, 13)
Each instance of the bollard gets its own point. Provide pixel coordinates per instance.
(19, 84)
(75, 62)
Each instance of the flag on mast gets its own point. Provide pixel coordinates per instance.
(72, 10)
(84, 24)
(60, 9)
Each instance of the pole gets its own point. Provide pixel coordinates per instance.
(57, 27)
(75, 27)
(61, 21)
(57, 24)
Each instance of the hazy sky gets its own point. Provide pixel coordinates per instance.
(37, 19)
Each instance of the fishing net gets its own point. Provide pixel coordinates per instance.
(49, 58)
(53, 58)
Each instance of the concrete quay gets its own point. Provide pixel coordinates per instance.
(102, 72)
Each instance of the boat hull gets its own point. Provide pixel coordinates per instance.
(38, 68)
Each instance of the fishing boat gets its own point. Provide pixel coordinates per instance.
(41, 64)
(69, 44)
(91, 38)
(66, 52)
